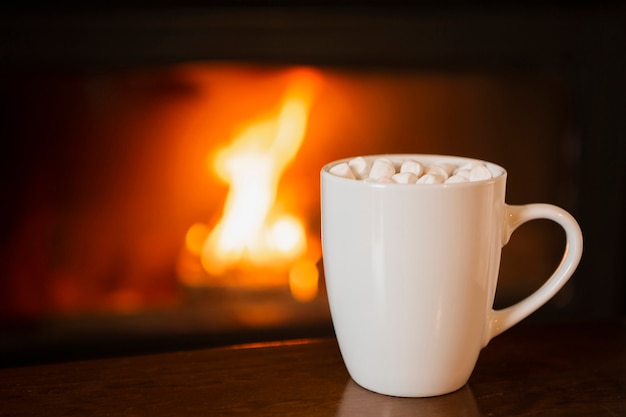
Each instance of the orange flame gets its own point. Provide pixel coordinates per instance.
(253, 230)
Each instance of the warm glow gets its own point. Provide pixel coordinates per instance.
(196, 235)
(287, 236)
(255, 229)
(303, 278)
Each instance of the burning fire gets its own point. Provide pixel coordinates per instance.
(255, 232)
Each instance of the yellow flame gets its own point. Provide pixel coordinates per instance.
(250, 230)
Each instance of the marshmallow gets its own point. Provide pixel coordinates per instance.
(360, 167)
(342, 170)
(405, 178)
(455, 179)
(382, 167)
(479, 173)
(385, 171)
(383, 180)
(465, 173)
(446, 167)
(467, 166)
(438, 170)
(412, 166)
(431, 179)
(495, 171)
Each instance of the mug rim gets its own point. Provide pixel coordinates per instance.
(493, 167)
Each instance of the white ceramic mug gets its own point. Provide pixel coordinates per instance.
(411, 273)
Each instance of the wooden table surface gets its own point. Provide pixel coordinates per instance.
(531, 370)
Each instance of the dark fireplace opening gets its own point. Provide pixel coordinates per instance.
(114, 120)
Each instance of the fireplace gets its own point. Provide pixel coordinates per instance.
(118, 121)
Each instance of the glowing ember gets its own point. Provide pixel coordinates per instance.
(254, 231)
(303, 278)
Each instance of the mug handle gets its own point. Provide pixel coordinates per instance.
(501, 320)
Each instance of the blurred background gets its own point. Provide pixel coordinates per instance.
(160, 166)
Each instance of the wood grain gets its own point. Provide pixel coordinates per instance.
(532, 370)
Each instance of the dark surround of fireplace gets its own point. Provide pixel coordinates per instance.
(573, 40)
(583, 46)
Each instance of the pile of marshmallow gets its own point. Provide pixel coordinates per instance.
(411, 171)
